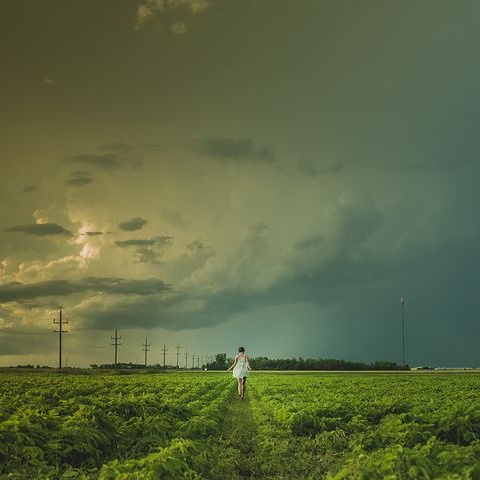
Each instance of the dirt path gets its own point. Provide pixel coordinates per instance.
(240, 436)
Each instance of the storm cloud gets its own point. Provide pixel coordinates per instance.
(295, 182)
(16, 291)
(78, 179)
(105, 161)
(147, 250)
(40, 229)
(133, 224)
(238, 150)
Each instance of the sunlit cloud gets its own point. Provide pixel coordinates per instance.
(153, 11)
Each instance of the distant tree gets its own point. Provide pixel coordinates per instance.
(220, 362)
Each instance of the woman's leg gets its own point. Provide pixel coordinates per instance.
(240, 387)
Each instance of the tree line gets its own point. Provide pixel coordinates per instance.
(221, 362)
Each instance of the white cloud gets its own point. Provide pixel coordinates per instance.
(195, 6)
(152, 11)
(178, 27)
(148, 10)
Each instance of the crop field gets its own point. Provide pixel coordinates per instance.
(192, 426)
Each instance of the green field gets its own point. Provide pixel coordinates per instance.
(192, 426)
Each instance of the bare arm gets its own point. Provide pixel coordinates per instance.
(248, 363)
(233, 364)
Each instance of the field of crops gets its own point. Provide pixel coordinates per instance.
(192, 426)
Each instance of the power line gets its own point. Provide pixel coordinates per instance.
(60, 332)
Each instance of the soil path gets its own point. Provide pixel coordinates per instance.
(240, 435)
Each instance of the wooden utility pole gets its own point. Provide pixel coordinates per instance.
(178, 353)
(60, 332)
(164, 350)
(116, 338)
(402, 300)
(186, 360)
(146, 348)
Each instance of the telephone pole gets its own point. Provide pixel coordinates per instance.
(193, 360)
(116, 338)
(402, 301)
(60, 331)
(146, 348)
(178, 353)
(186, 360)
(164, 350)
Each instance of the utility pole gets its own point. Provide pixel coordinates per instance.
(402, 301)
(186, 360)
(60, 331)
(164, 350)
(193, 360)
(178, 353)
(116, 338)
(146, 348)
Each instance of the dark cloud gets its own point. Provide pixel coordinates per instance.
(311, 169)
(234, 150)
(159, 147)
(148, 312)
(78, 179)
(29, 188)
(117, 147)
(174, 218)
(16, 291)
(147, 250)
(134, 243)
(196, 246)
(90, 234)
(161, 241)
(133, 224)
(106, 161)
(40, 229)
(147, 255)
(26, 342)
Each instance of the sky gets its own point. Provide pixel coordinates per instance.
(276, 174)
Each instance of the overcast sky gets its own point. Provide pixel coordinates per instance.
(212, 173)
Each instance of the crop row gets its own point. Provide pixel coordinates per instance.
(109, 427)
(369, 426)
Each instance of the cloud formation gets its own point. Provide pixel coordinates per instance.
(79, 179)
(239, 150)
(147, 250)
(40, 229)
(117, 147)
(136, 223)
(162, 11)
(16, 291)
(179, 27)
(106, 161)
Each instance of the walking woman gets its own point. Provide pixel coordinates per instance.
(241, 367)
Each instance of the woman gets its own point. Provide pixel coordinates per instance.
(241, 367)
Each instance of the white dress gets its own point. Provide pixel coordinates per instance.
(240, 370)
